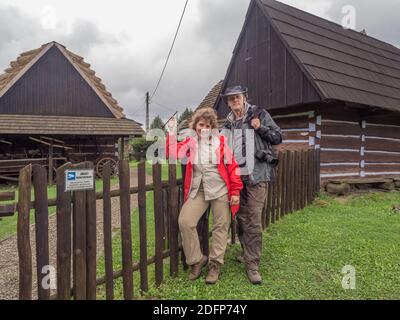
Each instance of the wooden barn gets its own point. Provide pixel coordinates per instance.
(54, 109)
(328, 88)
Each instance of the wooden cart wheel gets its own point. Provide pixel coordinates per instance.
(100, 164)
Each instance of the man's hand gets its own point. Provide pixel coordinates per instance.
(235, 200)
(256, 123)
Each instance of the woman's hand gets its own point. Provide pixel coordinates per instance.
(171, 125)
(235, 200)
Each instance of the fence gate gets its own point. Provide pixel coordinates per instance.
(295, 186)
(76, 252)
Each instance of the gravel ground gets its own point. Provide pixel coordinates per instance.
(9, 251)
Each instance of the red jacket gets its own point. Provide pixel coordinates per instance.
(229, 171)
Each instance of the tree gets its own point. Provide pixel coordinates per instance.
(157, 123)
(186, 115)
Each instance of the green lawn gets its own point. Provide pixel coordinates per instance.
(303, 255)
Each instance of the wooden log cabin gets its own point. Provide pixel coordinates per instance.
(328, 88)
(54, 109)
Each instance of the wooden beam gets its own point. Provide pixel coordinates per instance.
(7, 196)
(8, 178)
(5, 141)
(52, 139)
(49, 144)
(8, 210)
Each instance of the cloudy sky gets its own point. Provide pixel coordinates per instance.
(126, 42)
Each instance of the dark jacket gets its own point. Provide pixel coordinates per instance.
(267, 135)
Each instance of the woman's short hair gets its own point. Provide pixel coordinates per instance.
(206, 114)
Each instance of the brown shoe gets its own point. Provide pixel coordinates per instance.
(213, 272)
(254, 276)
(195, 270)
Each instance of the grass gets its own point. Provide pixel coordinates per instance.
(303, 255)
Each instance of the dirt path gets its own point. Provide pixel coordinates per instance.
(9, 251)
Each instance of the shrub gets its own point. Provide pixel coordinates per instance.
(139, 148)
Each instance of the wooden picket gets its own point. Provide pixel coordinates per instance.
(42, 228)
(107, 232)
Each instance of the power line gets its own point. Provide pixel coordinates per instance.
(163, 106)
(170, 51)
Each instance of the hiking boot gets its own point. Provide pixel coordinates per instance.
(254, 276)
(240, 258)
(195, 270)
(213, 273)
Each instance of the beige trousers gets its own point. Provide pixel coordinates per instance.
(191, 212)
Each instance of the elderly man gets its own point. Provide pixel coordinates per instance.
(262, 161)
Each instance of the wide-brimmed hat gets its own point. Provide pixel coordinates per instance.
(232, 91)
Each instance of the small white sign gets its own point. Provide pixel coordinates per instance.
(79, 180)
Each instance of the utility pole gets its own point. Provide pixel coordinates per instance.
(147, 111)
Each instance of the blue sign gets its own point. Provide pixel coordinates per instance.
(71, 176)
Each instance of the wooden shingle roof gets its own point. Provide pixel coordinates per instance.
(212, 96)
(27, 59)
(208, 102)
(57, 125)
(344, 64)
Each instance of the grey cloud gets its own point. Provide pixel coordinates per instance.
(379, 18)
(221, 22)
(85, 35)
(199, 60)
(19, 32)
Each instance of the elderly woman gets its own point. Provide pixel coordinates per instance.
(212, 177)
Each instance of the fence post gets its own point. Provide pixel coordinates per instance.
(318, 164)
(164, 219)
(79, 241)
(284, 184)
(302, 191)
(23, 239)
(107, 230)
(298, 180)
(142, 226)
(173, 220)
(158, 224)
(181, 198)
(63, 236)
(290, 181)
(273, 200)
(269, 205)
(310, 177)
(279, 188)
(126, 233)
(305, 178)
(42, 227)
(91, 240)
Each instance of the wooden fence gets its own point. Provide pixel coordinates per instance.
(295, 186)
